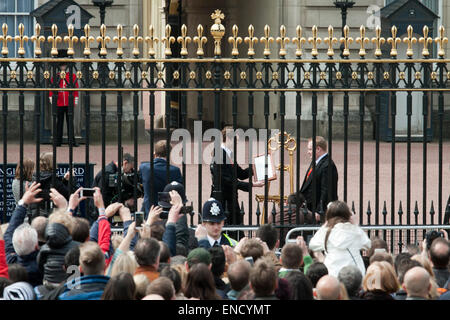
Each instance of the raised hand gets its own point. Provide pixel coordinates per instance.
(75, 199)
(31, 192)
(58, 199)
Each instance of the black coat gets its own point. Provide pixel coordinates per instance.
(51, 257)
(45, 179)
(321, 176)
(107, 192)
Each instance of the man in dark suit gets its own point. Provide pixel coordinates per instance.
(230, 202)
(325, 192)
(159, 180)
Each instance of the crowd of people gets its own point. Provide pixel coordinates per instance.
(64, 257)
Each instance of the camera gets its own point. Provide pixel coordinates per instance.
(139, 219)
(87, 192)
(127, 185)
(430, 236)
(164, 202)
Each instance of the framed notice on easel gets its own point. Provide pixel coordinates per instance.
(259, 171)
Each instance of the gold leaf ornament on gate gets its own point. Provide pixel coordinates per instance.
(103, 39)
(394, 41)
(282, 40)
(330, 40)
(266, 40)
(426, 40)
(314, 40)
(299, 41)
(378, 40)
(346, 40)
(71, 40)
(184, 40)
(234, 41)
(135, 39)
(410, 40)
(21, 38)
(4, 38)
(200, 40)
(120, 40)
(362, 40)
(168, 40)
(37, 39)
(442, 40)
(54, 39)
(251, 40)
(151, 41)
(87, 39)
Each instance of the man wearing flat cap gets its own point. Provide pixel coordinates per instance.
(209, 233)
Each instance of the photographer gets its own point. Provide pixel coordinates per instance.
(110, 189)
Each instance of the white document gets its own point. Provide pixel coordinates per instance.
(260, 167)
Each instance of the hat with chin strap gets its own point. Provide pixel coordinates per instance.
(213, 211)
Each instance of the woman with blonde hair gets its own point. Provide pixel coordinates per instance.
(380, 281)
(27, 175)
(125, 262)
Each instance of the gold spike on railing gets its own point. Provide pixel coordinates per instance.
(330, 40)
(362, 40)
(103, 39)
(70, 39)
(4, 39)
(135, 39)
(119, 39)
(200, 40)
(346, 40)
(184, 40)
(394, 40)
(37, 39)
(168, 40)
(251, 40)
(267, 39)
(151, 41)
(87, 39)
(426, 40)
(235, 40)
(21, 39)
(410, 40)
(442, 40)
(299, 40)
(282, 40)
(378, 40)
(217, 30)
(54, 39)
(315, 40)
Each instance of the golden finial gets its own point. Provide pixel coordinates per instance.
(200, 40)
(87, 39)
(378, 40)
(299, 40)
(441, 40)
(184, 40)
(362, 40)
(54, 39)
(71, 39)
(426, 40)
(151, 41)
(283, 40)
(120, 39)
(217, 30)
(330, 40)
(410, 40)
(37, 39)
(103, 39)
(168, 40)
(136, 38)
(315, 40)
(251, 40)
(346, 40)
(4, 39)
(234, 41)
(267, 39)
(21, 39)
(394, 41)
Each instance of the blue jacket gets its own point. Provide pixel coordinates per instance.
(85, 288)
(29, 261)
(159, 181)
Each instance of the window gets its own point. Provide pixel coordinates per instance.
(13, 13)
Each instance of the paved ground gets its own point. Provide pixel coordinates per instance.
(338, 156)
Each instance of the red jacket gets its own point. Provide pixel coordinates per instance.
(3, 264)
(63, 96)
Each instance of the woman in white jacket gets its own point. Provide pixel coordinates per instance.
(341, 239)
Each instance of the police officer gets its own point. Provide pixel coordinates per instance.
(209, 233)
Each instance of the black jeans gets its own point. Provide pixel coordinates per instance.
(61, 111)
